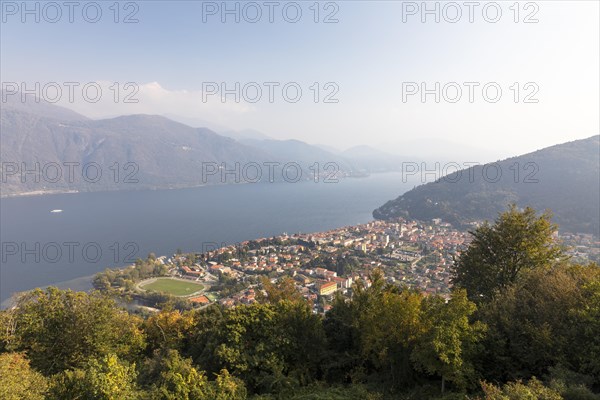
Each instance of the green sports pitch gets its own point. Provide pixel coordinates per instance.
(174, 287)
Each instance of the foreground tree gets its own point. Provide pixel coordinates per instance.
(271, 346)
(227, 387)
(549, 318)
(62, 329)
(169, 376)
(534, 389)
(517, 242)
(448, 338)
(168, 329)
(399, 338)
(388, 323)
(17, 379)
(105, 379)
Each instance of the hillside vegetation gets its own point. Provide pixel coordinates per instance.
(564, 178)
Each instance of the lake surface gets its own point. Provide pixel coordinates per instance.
(109, 229)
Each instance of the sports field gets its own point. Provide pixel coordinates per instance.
(175, 287)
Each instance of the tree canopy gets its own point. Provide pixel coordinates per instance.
(500, 253)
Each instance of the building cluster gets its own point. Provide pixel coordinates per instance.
(410, 254)
(581, 247)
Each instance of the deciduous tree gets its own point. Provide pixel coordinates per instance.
(17, 379)
(62, 329)
(500, 253)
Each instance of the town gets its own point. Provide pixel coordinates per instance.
(409, 254)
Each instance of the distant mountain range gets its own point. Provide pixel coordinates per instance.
(564, 178)
(41, 141)
(45, 148)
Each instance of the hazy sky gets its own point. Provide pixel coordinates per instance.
(370, 61)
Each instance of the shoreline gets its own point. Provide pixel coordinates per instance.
(154, 188)
(80, 284)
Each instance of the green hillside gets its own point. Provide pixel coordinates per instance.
(564, 178)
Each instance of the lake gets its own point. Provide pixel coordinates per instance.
(108, 229)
